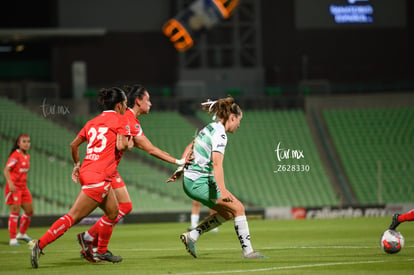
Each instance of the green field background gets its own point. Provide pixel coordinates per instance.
(319, 246)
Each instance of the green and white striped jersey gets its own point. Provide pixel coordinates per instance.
(211, 138)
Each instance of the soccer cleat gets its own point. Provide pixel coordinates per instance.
(254, 255)
(394, 222)
(82, 253)
(87, 248)
(189, 244)
(35, 253)
(107, 257)
(23, 237)
(13, 242)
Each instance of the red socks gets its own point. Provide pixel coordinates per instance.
(56, 230)
(13, 218)
(409, 216)
(105, 228)
(124, 209)
(24, 223)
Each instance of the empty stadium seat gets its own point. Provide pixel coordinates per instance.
(376, 148)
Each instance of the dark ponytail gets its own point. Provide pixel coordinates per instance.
(108, 98)
(16, 143)
(133, 92)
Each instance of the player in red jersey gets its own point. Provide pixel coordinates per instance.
(105, 135)
(139, 104)
(17, 194)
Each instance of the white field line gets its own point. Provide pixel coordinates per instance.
(178, 248)
(276, 268)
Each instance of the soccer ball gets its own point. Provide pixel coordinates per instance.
(392, 241)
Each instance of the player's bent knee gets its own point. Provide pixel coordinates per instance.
(239, 209)
(112, 216)
(125, 208)
(112, 213)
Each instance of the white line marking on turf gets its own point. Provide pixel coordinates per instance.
(285, 267)
(215, 249)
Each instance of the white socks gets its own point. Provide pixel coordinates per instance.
(194, 220)
(206, 225)
(242, 230)
(240, 225)
(88, 237)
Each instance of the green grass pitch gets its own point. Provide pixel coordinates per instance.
(323, 246)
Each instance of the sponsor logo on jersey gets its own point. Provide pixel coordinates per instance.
(92, 157)
(139, 129)
(12, 162)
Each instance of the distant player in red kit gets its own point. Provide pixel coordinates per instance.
(105, 135)
(17, 194)
(399, 218)
(139, 104)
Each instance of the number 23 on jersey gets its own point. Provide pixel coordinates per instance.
(97, 142)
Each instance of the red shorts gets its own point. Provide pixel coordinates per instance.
(22, 195)
(117, 181)
(97, 191)
(94, 185)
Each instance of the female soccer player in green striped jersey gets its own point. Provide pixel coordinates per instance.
(204, 179)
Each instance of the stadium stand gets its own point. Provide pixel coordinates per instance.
(51, 166)
(375, 146)
(251, 158)
(251, 161)
(45, 135)
(171, 132)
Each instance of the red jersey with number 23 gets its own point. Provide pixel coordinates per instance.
(101, 157)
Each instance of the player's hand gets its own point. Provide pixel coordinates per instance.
(12, 187)
(75, 174)
(177, 174)
(226, 196)
(189, 158)
(130, 143)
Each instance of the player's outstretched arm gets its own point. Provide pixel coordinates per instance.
(188, 157)
(143, 143)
